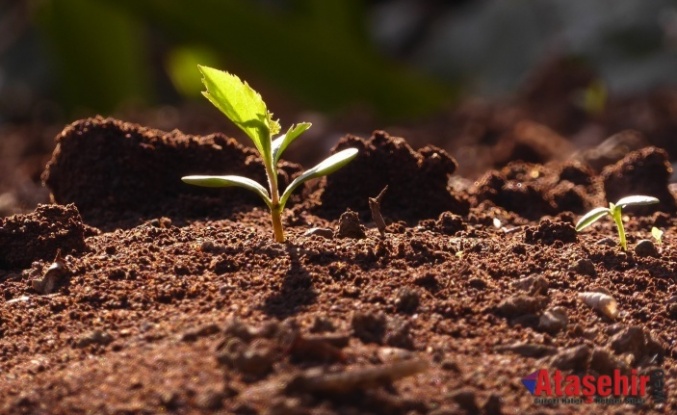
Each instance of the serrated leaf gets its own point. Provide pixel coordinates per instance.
(636, 200)
(280, 143)
(328, 166)
(229, 181)
(242, 105)
(591, 217)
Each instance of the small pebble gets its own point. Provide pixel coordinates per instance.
(553, 320)
(407, 301)
(585, 267)
(533, 284)
(646, 248)
(322, 232)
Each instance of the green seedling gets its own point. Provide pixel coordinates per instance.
(615, 210)
(245, 107)
(657, 235)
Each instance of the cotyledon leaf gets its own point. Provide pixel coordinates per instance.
(591, 217)
(229, 181)
(328, 166)
(636, 200)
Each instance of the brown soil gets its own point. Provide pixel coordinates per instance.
(170, 299)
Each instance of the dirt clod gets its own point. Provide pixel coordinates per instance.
(643, 172)
(533, 284)
(585, 267)
(369, 327)
(639, 343)
(349, 226)
(553, 320)
(520, 305)
(40, 235)
(94, 337)
(416, 180)
(548, 232)
(574, 359)
(408, 301)
(646, 248)
(113, 170)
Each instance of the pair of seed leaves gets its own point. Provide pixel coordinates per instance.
(615, 210)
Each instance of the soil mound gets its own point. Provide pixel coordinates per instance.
(114, 171)
(417, 181)
(643, 172)
(39, 235)
(534, 190)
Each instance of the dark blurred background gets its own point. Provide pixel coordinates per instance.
(457, 73)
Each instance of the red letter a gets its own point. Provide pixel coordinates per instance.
(543, 383)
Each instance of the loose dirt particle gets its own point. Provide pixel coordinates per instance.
(585, 267)
(574, 359)
(369, 327)
(520, 305)
(553, 320)
(533, 284)
(94, 337)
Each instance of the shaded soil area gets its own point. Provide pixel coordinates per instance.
(136, 294)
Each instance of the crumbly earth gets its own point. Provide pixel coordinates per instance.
(164, 312)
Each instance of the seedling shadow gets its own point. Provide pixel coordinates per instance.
(297, 289)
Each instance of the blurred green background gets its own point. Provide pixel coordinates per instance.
(398, 59)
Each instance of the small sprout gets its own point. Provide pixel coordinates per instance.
(657, 235)
(245, 107)
(615, 210)
(601, 302)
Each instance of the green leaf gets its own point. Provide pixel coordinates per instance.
(281, 142)
(243, 106)
(591, 217)
(328, 166)
(229, 181)
(636, 200)
(657, 234)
